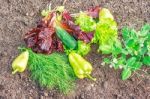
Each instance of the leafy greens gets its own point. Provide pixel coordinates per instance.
(106, 32)
(134, 53)
(86, 23)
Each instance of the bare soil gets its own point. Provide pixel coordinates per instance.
(18, 16)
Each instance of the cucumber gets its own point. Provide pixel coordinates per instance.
(66, 38)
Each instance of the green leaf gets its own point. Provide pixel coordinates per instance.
(133, 34)
(146, 60)
(126, 73)
(121, 60)
(143, 51)
(106, 49)
(128, 33)
(145, 30)
(107, 60)
(60, 8)
(117, 48)
(125, 33)
(83, 48)
(136, 47)
(106, 35)
(45, 12)
(116, 66)
(148, 48)
(131, 61)
(124, 51)
(105, 14)
(85, 22)
(131, 43)
(136, 66)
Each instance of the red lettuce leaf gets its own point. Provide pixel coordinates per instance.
(42, 39)
(94, 12)
(68, 24)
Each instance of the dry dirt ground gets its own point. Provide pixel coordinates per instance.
(18, 16)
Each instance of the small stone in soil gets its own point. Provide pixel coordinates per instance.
(27, 14)
(45, 94)
(30, 98)
(5, 54)
(1, 88)
(81, 96)
(32, 14)
(41, 97)
(2, 97)
(105, 84)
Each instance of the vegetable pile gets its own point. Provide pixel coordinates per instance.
(55, 48)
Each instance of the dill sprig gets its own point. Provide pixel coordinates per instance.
(52, 71)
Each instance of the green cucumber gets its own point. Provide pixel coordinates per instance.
(66, 38)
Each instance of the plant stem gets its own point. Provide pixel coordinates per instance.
(14, 71)
(90, 77)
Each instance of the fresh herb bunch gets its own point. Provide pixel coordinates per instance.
(134, 53)
(52, 71)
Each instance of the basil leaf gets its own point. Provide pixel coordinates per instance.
(136, 66)
(145, 30)
(130, 43)
(126, 73)
(125, 33)
(146, 60)
(143, 51)
(117, 48)
(121, 60)
(106, 60)
(131, 61)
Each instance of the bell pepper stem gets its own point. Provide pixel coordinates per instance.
(90, 77)
(16, 70)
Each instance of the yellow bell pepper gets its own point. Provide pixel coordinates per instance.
(81, 67)
(20, 63)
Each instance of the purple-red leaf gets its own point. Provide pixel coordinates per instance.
(94, 11)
